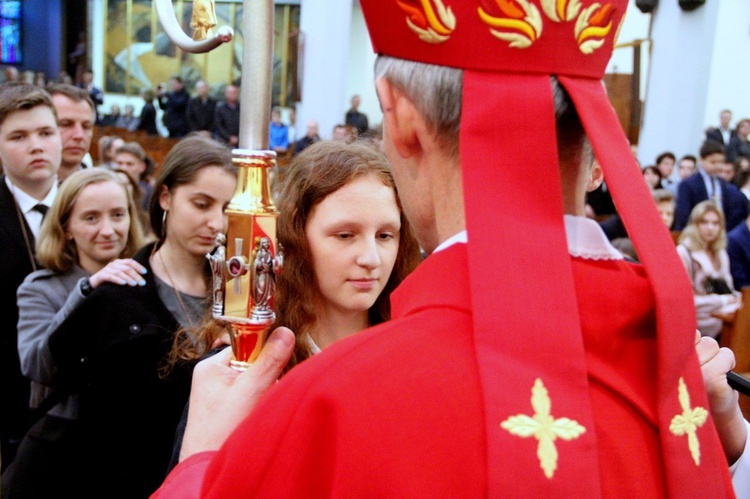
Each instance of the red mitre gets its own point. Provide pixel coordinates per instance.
(526, 322)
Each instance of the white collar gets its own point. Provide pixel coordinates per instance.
(586, 239)
(314, 348)
(25, 202)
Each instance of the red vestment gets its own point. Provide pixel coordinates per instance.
(397, 410)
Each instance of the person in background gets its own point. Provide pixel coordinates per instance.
(108, 144)
(702, 251)
(738, 143)
(356, 118)
(131, 158)
(124, 333)
(707, 185)
(738, 249)
(652, 176)
(110, 119)
(665, 203)
(227, 117)
(665, 162)
(76, 115)
(30, 152)
(147, 119)
(687, 166)
(201, 109)
(311, 137)
(95, 94)
(127, 119)
(174, 105)
(87, 238)
(278, 136)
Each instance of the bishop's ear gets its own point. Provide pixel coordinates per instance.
(400, 118)
(596, 177)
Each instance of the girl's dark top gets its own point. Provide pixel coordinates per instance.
(112, 350)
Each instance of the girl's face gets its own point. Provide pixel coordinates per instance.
(99, 224)
(709, 227)
(652, 179)
(195, 211)
(354, 237)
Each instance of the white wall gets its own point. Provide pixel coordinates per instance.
(325, 24)
(359, 76)
(636, 27)
(729, 70)
(698, 68)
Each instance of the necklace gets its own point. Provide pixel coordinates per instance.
(176, 291)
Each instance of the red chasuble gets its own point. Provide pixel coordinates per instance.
(396, 411)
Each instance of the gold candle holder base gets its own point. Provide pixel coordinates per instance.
(247, 338)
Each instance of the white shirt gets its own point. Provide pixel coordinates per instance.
(586, 239)
(713, 186)
(26, 203)
(740, 470)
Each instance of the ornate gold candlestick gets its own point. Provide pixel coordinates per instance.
(247, 260)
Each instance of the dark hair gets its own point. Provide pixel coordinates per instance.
(690, 157)
(71, 92)
(17, 96)
(710, 147)
(318, 171)
(181, 166)
(653, 169)
(661, 157)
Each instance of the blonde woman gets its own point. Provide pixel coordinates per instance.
(702, 248)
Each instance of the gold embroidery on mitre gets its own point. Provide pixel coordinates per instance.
(544, 427)
(592, 27)
(688, 422)
(517, 21)
(432, 23)
(561, 10)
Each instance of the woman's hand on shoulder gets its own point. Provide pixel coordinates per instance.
(125, 271)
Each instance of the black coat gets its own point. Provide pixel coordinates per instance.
(174, 105)
(111, 350)
(15, 265)
(147, 121)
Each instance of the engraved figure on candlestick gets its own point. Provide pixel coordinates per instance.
(218, 267)
(203, 19)
(264, 279)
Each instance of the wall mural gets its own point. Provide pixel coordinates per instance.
(139, 55)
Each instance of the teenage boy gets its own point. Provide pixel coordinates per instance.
(706, 184)
(30, 151)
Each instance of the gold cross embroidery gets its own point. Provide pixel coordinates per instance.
(688, 422)
(544, 427)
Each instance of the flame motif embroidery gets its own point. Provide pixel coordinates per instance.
(515, 21)
(433, 24)
(561, 10)
(592, 26)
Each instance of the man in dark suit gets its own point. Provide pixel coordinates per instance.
(30, 151)
(174, 104)
(705, 184)
(723, 133)
(738, 247)
(200, 109)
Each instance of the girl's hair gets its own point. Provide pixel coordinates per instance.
(181, 166)
(54, 249)
(690, 236)
(320, 170)
(655, 171)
